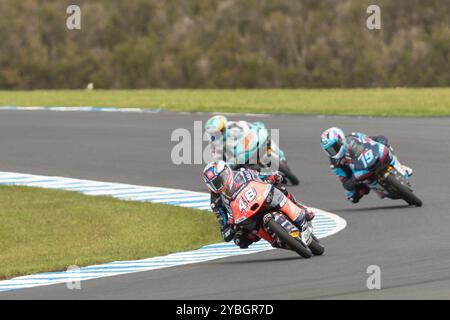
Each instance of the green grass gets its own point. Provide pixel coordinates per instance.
(49, 230)
(373, 102)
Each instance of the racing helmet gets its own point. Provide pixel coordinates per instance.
(218, 176)
(333, 142)
(215, 127)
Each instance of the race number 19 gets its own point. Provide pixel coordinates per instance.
(366, 157)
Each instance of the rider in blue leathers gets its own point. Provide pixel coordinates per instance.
(335, 143)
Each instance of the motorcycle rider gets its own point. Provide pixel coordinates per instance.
(221, 180)
(336, 144)
(223, 134)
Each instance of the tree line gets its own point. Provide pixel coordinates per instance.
(224, 44)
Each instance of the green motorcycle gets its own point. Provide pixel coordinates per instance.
(255, 149)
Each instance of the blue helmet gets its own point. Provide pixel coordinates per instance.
(333, 142)
(215, 127)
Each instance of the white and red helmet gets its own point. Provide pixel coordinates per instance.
(218, 176)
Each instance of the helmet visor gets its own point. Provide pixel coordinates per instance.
(334, 148)
(219, 181)
(356, 147)
(215, 137)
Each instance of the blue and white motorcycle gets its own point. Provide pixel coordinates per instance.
(257, 150)
(375, 165)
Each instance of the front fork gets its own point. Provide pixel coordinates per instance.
(392, 170)
(288, 225)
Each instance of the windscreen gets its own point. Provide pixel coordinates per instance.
(355, 147)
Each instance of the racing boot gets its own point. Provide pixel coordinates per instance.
(404, 170)
(309, 214)
(408, 170)
(301, 221)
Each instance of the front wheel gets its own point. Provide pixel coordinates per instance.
(291, 242)
(316, 248)
(403, 191)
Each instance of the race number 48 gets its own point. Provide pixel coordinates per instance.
(250, 194)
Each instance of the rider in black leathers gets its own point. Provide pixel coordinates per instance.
(220, 206)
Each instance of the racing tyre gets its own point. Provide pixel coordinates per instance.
(291, 242)
(289, 176)
(403, 191)
(316, 248)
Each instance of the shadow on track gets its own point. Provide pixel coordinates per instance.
(281, 259)
(403, 206)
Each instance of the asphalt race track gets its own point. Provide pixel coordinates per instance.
(410, 245)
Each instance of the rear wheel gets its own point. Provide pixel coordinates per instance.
(403, 191)
(316, 248)
(292, 178)
(291, 242)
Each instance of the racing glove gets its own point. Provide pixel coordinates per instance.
(350, 184)
(354, 197)
(360, 191)
(228, 233)
(243, 239)
(275, 178)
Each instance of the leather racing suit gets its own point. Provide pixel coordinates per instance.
(354, 190)
(220, 205)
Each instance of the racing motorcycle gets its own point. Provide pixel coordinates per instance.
(256, 150)
(375, 165)
(253, 211)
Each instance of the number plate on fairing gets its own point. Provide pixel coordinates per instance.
(367, 158)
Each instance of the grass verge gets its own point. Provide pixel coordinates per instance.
(49, 230)
(371, 102)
